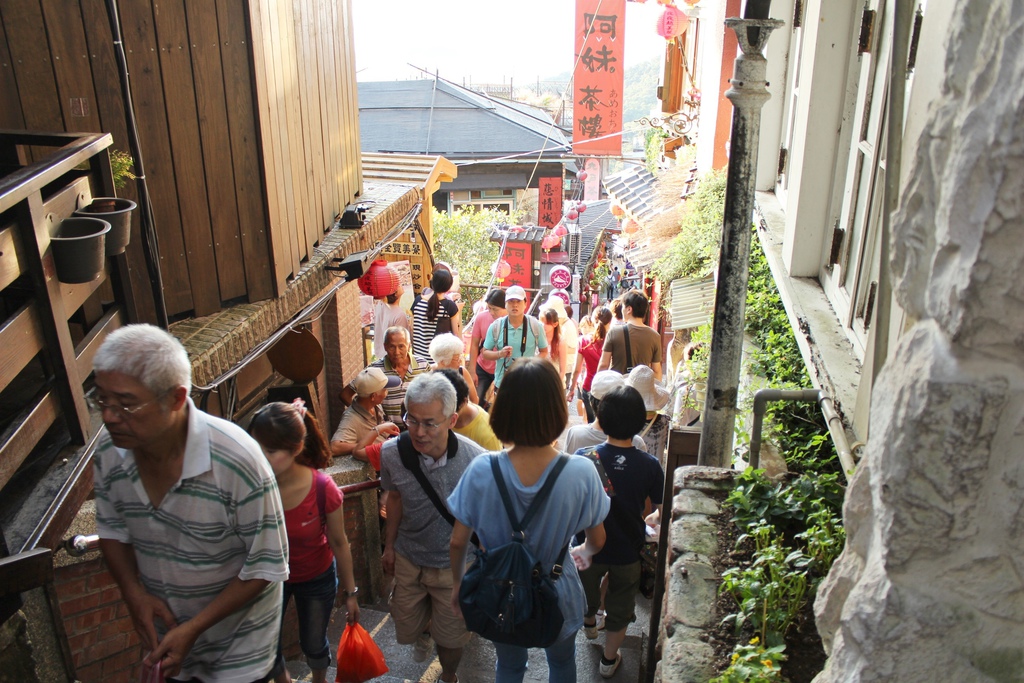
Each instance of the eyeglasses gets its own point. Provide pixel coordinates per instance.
(99, 404)
(425, 426)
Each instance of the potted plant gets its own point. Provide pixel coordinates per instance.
(116, 211)
(79, 249)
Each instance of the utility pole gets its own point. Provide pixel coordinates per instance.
(748, 94)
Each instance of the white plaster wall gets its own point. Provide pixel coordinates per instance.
(772, 123)
(711, 44)
(929, 586)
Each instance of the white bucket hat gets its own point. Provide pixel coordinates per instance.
(605, 381)
(642, 379)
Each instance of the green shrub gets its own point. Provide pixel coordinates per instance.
(694, 251)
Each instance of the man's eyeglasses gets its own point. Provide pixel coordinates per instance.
(425, 426)
(100, 404)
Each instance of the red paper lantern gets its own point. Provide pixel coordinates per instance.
(502, 269)
(560, 230)
(617, 210)
(672, 22)
(379, 281)
(630, 227)
(581, 176)
(581, 207)
(550, 242)
(572, 214)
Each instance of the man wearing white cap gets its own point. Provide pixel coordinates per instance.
(515, 335)
(364, 422)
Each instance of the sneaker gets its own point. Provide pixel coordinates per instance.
(424, 645)
(600, 619)
(608, 670)
(590, 631)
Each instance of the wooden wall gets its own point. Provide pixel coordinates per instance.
(248, 120)
(304, 58)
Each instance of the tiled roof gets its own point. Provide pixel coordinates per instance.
(434, 116)
(634, 190)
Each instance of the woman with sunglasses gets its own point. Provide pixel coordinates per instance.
(296, 448)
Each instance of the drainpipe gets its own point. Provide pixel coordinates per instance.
(835, 423)
(748, 94)
(902, 23)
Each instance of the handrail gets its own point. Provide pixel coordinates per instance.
(17, 186)
(79, 545)
(828, 410)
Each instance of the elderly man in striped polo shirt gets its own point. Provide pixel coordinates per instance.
(399, 361)
(189, 517)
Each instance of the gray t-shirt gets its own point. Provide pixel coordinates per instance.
(423, 535)
(583, 436)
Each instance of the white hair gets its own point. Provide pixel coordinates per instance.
(444, 347)
(151, 355)
(430, 387)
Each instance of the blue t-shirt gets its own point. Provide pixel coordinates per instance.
(577, 502)
(635, 476)
(496, 340)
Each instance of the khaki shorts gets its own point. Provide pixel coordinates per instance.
(623, 585)
(423, 596)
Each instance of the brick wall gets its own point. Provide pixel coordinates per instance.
(104, 645)
(342, 340)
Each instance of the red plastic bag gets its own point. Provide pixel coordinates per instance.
(359, 658)
(151, 674)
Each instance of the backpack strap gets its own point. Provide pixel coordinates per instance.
(320, 480)
(519, 528)
(629, 351)
(410, 459)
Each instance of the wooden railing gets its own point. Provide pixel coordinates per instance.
(50, 333)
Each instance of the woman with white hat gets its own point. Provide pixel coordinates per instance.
(655, 434)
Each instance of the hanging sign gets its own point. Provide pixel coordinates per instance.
(561, 294)
(592, 185)
(549, 209)
(518, 255)
(561, 277)
(598, 77)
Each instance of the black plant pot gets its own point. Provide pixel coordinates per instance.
(117, 212)
(79, 249)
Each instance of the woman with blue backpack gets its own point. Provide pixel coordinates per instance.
(525, 505)
(295, 446)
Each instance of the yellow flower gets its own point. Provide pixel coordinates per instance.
(735, 657)
(755, 640)
(767, 663)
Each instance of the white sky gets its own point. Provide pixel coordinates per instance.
(482, 41)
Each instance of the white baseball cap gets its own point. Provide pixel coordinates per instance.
(516, 293)
(371, 380)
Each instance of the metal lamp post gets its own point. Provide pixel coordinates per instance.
(748, 94)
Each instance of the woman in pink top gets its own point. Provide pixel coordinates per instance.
(589, 356)
(484, 368)
(296, 449)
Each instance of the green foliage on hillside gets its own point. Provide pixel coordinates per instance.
(640, 89)
(461, 239)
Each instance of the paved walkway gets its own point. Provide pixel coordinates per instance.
(478, 658)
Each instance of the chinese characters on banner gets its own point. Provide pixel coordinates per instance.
(598, 78)
(518, 255)
(550, 209)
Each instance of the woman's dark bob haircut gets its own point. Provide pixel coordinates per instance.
(530, 408)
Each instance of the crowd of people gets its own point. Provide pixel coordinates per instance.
(210, 530)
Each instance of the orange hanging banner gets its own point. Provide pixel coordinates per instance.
(598, 77)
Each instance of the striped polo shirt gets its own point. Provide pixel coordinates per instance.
(223, 519)
(393, 402)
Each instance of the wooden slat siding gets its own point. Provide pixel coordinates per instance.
(26, 39)
(290, 216)
(308, 234)
(71, 67)
(310, 67)
(250, 197)
(24, 433)
(10, 112)
(331, 124)
(347, 68)
(107, 83)
(208, 75)
(151, 117)
(33, 228)
(266, 67)
(10, 256)
(344, 95)
(186, 154)
(86, 350)
(325, 60)
(21, 338)
(291, 66)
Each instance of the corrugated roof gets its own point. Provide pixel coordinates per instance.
(408, 169)
(634, 190)
(438, 117)
(593, 222)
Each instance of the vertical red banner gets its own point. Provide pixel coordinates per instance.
(519, 256)
(598, 77)
(549, 208)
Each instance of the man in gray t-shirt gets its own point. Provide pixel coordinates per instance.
(417, 535)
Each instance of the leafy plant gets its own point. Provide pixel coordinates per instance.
(463, 238)
(754, 663)
(757, 500)
(694, 251)
(121, 164)
(654, 138)
(823, 541)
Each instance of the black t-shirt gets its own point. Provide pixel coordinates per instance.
(635, 477)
